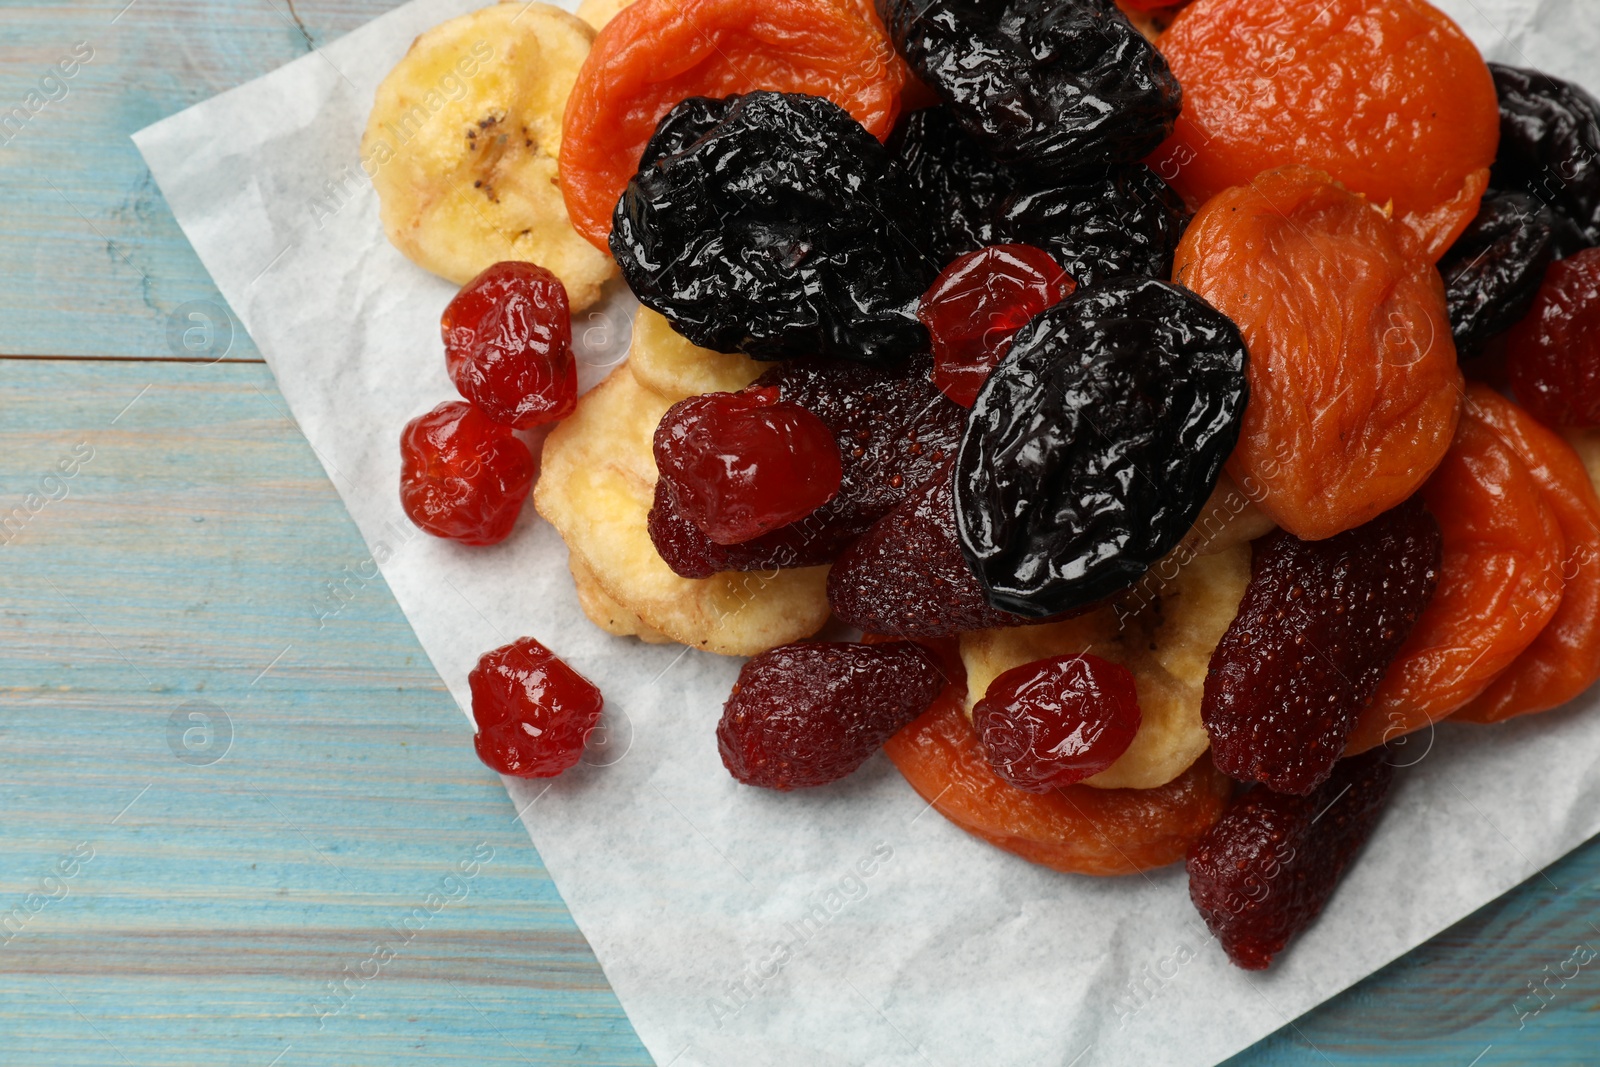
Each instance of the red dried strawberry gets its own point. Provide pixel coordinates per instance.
(1265, 870)
(907, 577)
(809, 714)
(1318, 627)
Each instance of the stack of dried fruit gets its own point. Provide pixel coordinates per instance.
(1124, 410)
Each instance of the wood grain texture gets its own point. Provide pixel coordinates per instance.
(181, 571)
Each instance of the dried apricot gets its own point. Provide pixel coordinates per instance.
(1499, 584)
(1388, 96)
(1077, 829)
(1564, 659)
(656, 53)
(1354, 386)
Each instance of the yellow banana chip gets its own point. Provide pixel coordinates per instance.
(665, 362)
(1166, 644)
(599, 12)
(463, 143)
(596, 485)
(606, 613)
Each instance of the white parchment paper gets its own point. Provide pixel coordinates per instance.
(847, 925)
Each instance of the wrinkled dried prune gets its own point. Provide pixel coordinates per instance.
(1122, 220)
(958, 185)
(1492, 273)
(906, 577)
(781, 231)
(1318, 627)
(894, 429)
(1049, 85)
(1095, 444)
(808, 714)
(1262, 874)
(1550, 145)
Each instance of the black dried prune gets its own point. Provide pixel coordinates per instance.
(1120, 221)
(1096, 442)
(958, 185)
(780, 231)
(1492, 272)
(1049, 85)
(894, 429)
(1550, 146)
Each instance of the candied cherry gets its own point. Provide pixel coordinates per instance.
(1554, 353)
(977, 305)
(1058, 721)
(508, 345)
(463, 476)
(808, 714)
(740, 465)
(534, 712)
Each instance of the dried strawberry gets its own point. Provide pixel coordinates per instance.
(1265, 870)
(893, 429)
(907, 577)
(809, 714)
(1319, 625)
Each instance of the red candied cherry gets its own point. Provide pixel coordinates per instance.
(1553, 354)
(743, 464)
(534, 712)
(976, 307)
(462, 476)
(1057, 721)
(508, 345)
(808, 714)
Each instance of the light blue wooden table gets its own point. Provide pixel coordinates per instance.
(212, 806)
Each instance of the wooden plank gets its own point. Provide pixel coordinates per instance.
(185, 556)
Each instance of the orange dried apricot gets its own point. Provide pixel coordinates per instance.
(657, 53)
(1502, 548)
(1388, 96)
(1354, 387)
(1564, 659)
(1076, 829)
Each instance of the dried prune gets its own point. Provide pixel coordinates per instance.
(534, 713)
(1354, 383)
(1492, 273)
(1095, 444)
(808, 714)
(1553, 355)
(1387, 96)
(976, 307)
(893, 429)
(1318, 627)
(958, 185)
(907, 577)
(740, 465)
(1121, 220)
(780, 232)
(1049, 85)
(1077, 829)
(1564, 659)
(1550, 144)
(1263, 873)
(1057, 721)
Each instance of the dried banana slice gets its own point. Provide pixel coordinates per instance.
(1167, 644)
(599, 12)
(596, 486)
(606, 613)
(665, 362)
(462, 147)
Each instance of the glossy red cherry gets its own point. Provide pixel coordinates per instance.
(508, 345)
(1057, 721)
(1553, 355)
(976, 307)
(463, 476)
(534, 712)
(740, 465)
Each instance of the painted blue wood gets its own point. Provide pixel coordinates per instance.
(176, 910)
